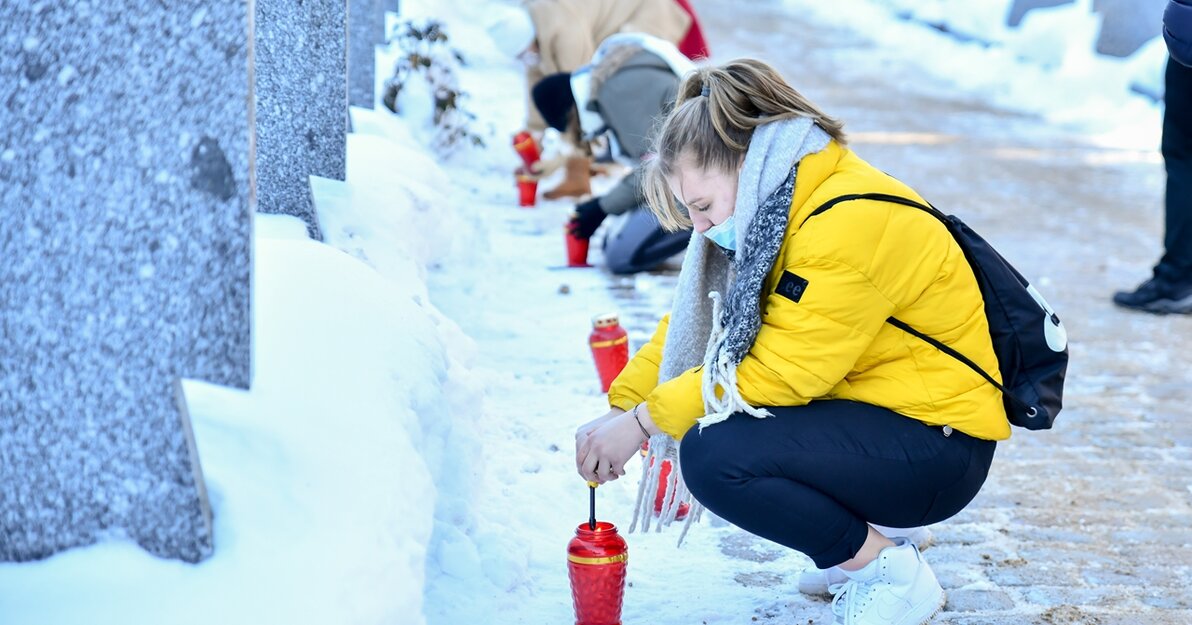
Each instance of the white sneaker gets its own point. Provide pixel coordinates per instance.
(901, 591)
(814, 581)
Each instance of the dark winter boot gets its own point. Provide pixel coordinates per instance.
(1157, 296)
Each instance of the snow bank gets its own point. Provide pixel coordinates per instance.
(1046, 65)
(322, 478)
(397, 212)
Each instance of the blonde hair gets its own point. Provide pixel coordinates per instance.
(716, 110)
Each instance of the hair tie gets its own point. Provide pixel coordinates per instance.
(705, 91)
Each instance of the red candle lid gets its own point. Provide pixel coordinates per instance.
(600, 546)
(607, 320)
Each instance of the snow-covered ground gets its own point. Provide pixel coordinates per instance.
(405, 453)
(1046, 65)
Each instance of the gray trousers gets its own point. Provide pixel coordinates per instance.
(641, 243)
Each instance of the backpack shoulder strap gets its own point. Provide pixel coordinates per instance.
(931, 210)
(879, 197)
(936, 343)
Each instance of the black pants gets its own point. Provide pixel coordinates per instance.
(641, 243)
(811, 477)
(1176, 264)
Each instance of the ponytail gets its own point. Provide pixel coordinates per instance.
(715, 113)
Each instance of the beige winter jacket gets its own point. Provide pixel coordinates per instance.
(568, 32)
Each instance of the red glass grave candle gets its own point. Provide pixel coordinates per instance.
(526, 148)
(610, 348)
(596, 564)
(577, 249)
(527, 190)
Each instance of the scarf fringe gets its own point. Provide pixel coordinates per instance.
(663, 448)
(721, 372)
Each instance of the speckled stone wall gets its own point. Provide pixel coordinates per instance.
(366, 30)
(125, 263)
(302, 103)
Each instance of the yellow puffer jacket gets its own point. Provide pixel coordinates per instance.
(863, 261)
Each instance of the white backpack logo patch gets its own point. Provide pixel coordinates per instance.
(1053, 328)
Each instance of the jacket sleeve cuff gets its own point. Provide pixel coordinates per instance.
(676, 405)
(624, 402)
(640, 375)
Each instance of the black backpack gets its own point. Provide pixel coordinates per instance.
(1028, 337)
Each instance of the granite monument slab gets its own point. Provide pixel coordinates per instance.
(124, 164)
(366, 30)
(301, 103)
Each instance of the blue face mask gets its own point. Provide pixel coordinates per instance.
(724, 234)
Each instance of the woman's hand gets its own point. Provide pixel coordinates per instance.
(601, 454)
(584, 430)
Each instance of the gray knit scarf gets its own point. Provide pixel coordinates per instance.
(716, 331)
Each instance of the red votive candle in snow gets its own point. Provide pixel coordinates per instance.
(596, 564)
(527, 189)
(610, 348)
(577, 249)
(526, 148)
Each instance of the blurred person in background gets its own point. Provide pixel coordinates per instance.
(628, 86)
(558, 36)
(1170, 288)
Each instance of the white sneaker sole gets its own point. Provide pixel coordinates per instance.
(814, 590)
(923, 613)
(923, 539)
